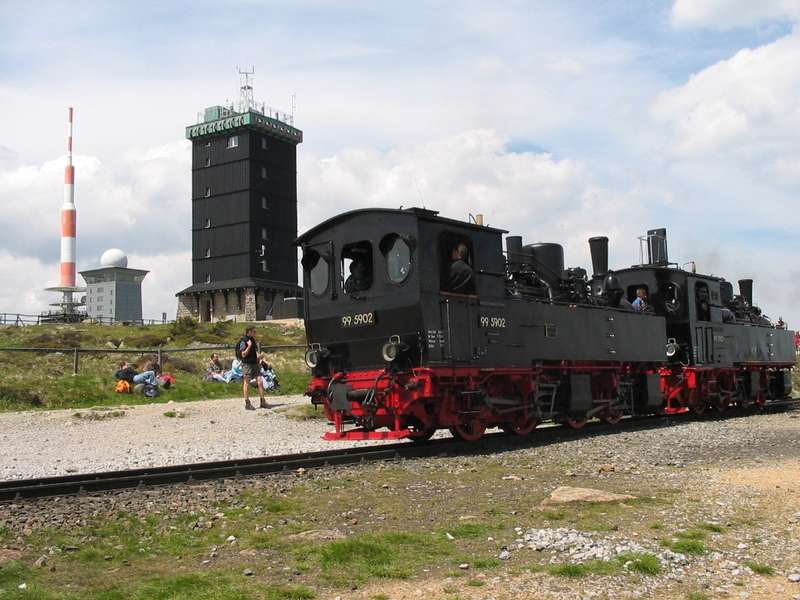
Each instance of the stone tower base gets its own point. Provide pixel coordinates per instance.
(241, 304)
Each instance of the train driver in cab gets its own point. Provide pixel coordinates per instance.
(461, 278)
(640, 304)
(359, 279)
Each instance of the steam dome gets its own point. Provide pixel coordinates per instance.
(114, 258)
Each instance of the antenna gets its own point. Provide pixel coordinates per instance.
(245, 89)
(419, 192)
(294, 106)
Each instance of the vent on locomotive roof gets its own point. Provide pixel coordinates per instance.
(657, 246)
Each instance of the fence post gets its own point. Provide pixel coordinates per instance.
(159, 357)
(75, 362)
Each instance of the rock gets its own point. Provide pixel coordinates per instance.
(512, 478)
(248, 573)
(231, 539)
(567, 494)
(23, 586)
(504, 554)
(318, 534)
(464, 566)
(40, 562)
(794, 577)
(449, 536)
(607, 468)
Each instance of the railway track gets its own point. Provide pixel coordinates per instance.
(116, 480)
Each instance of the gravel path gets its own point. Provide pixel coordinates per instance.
(41, 444)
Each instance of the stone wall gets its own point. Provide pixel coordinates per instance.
(187, 307)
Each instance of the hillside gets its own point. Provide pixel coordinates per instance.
(45, 381)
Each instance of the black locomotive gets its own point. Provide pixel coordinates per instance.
(417, 322)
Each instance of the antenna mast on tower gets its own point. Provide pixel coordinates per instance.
(246, 89)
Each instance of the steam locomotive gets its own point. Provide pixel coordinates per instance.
(396, 352)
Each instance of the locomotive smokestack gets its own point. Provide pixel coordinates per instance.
(598, 246)
(514, 253)
(746, 290)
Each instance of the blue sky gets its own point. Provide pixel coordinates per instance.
(557, 120)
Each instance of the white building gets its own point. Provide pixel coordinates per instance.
(113, 291)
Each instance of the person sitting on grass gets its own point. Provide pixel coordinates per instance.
(129, 374)
(214, 364)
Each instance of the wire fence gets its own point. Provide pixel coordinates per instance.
(21, 320)
(159, 352)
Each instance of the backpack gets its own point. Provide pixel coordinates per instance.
(123, 387)
(241, 345)
(150, 390)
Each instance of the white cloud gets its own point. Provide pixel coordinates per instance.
(531, 194)
(726, 14)
(745, 109)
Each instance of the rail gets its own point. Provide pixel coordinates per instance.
(158, 351)
(115, 480)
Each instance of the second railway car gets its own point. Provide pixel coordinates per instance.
(417, 322)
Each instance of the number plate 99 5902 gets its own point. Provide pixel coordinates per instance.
(358, 319)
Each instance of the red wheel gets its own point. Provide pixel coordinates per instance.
(469, 431)
(611, 416)
(521, 426)
(574, 423)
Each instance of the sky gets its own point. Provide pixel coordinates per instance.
(556, 120)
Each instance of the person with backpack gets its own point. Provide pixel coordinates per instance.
(247, 352)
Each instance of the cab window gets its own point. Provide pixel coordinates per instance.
(356, 267)
(456, 264)
(702, 302)
(318, 272)
(397, 254)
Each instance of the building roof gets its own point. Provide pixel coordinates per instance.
(235, 284)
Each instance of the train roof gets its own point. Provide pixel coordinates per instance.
(422, 214)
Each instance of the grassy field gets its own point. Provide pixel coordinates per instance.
(45, 381)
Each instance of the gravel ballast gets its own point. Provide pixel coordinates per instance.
(60, 442)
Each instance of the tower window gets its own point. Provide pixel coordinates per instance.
(264, 202)
(208, 252)
(208, 223)
(263, 143)
(208, 277)
(208, 161)
(264, 266)
(263, 233)
(208, 192)
(233, 141)
(263, 172)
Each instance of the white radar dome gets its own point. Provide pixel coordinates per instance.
(114, 258)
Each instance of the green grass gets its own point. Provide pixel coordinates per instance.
(641, 562)
(57, 387)
(486, 563)
(686, 546)
(712, 527)
(387, 555)
(476, 583)
(472, 530)
(697, 596)
(759, 568)
(638, 562)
